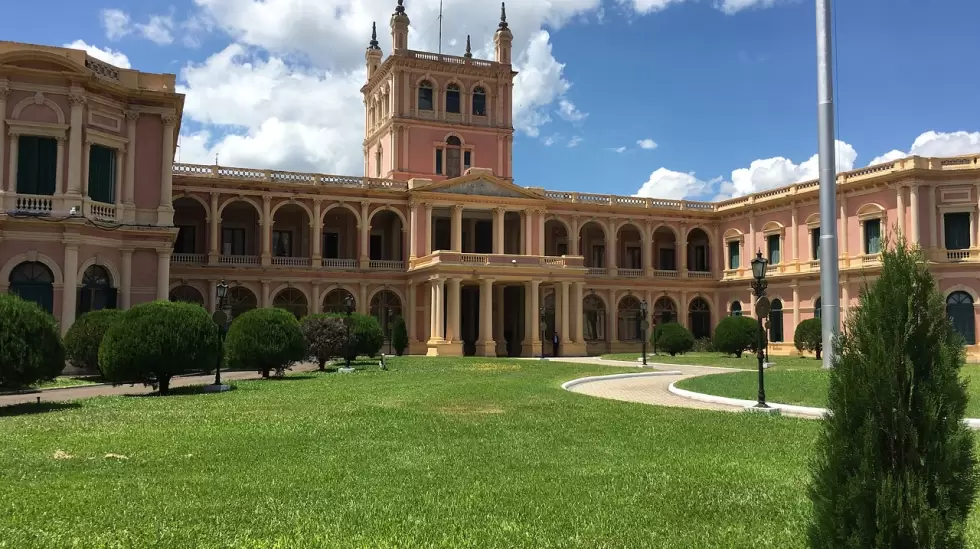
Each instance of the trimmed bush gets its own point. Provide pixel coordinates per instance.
(735, 335)
(152, 342)
(672, 338)
(85, 335)
(325, 336)
(265, 340)
(366, 336)
(399, 336)
(30, 345)
(703, 345)
(894, 462)
(808, 336)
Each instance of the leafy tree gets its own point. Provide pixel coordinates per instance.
(152, 342)
(265, 340)
(366, 336)
(399, 336)
(809, 337)
(736, 334)
(672, 338)
(85, 335)
(325, 336)
(894, 466)
(30, 345)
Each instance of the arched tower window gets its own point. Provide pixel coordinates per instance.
(479, 101)
(453, 152)
(425, 96)
(452, 98)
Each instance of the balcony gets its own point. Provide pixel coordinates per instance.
(188, 259)
(386, 265)
(448, 258)
(248, 260)
(279, 261)
(33, 204)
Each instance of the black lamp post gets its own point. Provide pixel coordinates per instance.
(221, 318)
(543, 326)
(644, 325)
(390, 315)
(761, 310)
(349, 304)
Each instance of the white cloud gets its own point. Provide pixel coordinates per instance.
(574, 141)
(568, 111)
(619, 150)
(727, 6)
(648, 6)
(115, 58)
(735, 6)
(158, 29)
(116, 23)
(664, 183)
(648, 144)
(933, 143)
(548, 141)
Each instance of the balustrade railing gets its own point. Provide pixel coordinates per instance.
(291, 261)
(239, 260)
(188, 259)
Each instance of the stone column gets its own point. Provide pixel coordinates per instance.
(485, 345)
(12, 168)
(914, 206)
(795, 234)
(413, 223)
(573, 239)
(900, 206)
(316, 303)
(86, 158)
(438, 321)
(121, 156)
(682, 315)
(612, 243)
(612, 311)
(125, 285)
(163, 273)
(498, 230)
(77, 102)
(683, 255)
(933, 237)
(457, 228)
(565, 313)
(796, 304)
(842, 216)
(845, 297)
(266, 298)
(532, 320)
(69, 292)
(129, 183)
(365, 228)
(214, 230)
(453, 333)
(411, 317)
(316, 243)
(428, 229)
(363, 307)
(540, 222)
(578, 290)
(266, 225)
(212, 298)
(59, 175)
(527, 228)
(647, 252)
(4, 91)
(498, 320)
(166, 210)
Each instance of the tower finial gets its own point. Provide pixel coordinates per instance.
(503, 17)
(400, 9)
(374, 37)
(468, 53)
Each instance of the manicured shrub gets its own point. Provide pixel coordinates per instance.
(30, 345)
(672, 338)
(366, 337)
(703, 345)
(325, 336)
(265, 340)
(85, 335)
(736, 334)
(399, 336)
(808, 336)
(152, 342)
(894, 462)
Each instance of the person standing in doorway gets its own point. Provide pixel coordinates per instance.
(555, 340)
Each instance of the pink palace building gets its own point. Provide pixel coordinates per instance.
(96, 214)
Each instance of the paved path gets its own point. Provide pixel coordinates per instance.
(88, 391)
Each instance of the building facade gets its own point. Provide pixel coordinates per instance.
(96, 214)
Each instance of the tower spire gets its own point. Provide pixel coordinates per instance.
(468, 53)
(374, 37)
(503, 17)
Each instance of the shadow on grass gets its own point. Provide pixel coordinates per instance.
(186, 390)
(28, 408)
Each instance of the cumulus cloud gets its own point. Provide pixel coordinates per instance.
(664, 183)
(728, 6)
(648, 144)
(574, 141)
(933, 143)
(116, 23)
(116, 58)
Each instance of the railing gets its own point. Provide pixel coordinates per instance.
(291, 261)
(665, 273)
(450, 59)
(870, 259)
(701, 275)
(597, 271)
(34, 204)
(959, 255)
(188, 259)
(276, 176)
(386, 265)
(336, 263)
(239, 260)
(630, 273)
(475, 259)
(443, 257)
(101, 211)
(814, 264)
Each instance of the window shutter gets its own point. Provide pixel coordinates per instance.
(101, 174)
(47, 166)
(27, 162)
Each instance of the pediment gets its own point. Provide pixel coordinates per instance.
(481, 185)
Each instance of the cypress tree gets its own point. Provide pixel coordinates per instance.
(894, 466)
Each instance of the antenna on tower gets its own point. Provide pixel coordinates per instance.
(440, 27)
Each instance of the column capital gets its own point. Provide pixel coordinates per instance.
(169, 120)
(428, 207)
(76, 100)
(499, 210)
(4, 92)
(457, 208)
(127, 251)
(132, 115)
(165, 252)
(413, 204)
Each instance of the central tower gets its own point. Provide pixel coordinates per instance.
(435, 116)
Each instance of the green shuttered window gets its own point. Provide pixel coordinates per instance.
(37, 164)
(102, 174)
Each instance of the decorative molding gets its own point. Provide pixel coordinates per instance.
(38, 99)
(42, 129)
(76, 100)
(169, 120)
(116, 120)
(110, 140)
(132, 116)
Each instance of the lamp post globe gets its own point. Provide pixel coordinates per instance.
(759, 265)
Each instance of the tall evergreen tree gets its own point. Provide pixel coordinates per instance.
(894, 466)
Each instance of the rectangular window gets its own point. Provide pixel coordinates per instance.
(185, 243)
(957, 230)
(37, 159)
(701, 259)
(772, 241)
(232, 241)
(733, 258)
(425, 99)
(633, 258)
(872, 236)
(376, 246)
(467, 157)
(599, 256)
(815, 243)
(667, 260)
(102, 174)
(282, 243)
(439, 161)
(331, 245)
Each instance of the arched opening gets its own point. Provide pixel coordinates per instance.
(629, 246)
(187, 294)
(736, 308)
(453, 154)
(776, 321)
(241, 300)
(33, 281)
(425, 96)
(340, 239)
(335, 301)
(191, 220)
(549, 317)
(386, 239)
(629, 319)
(817, 308)
(592, 243)
(665, 311)
(452, 98)
(96, 292)
(665, 249)
(240, 234)
(699, 318)
(698, 252)
(386, 307)
(555, 238)
(479, 101)
(291, 235)
(594, 318)
(292, 300)
(959, 308)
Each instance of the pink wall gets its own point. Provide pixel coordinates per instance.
(422, 156)
(149, 145)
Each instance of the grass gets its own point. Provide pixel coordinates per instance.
(748, 360)
(801, 387)
(460, 453)
(70, 381)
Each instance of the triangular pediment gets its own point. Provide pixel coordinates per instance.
(480, 184)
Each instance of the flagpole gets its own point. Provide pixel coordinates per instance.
(829, 281)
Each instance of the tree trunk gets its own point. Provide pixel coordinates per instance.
(265, 373)
(163, 385)
(323, 363)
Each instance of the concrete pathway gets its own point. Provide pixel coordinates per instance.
(96, 390)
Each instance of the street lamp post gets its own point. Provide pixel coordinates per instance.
(222, 319)
(644, 325)
(544, 327)
(349, 305)
(761, 311)
(390, 315)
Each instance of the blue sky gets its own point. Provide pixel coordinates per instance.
(726, 89)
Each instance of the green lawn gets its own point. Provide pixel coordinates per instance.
(802, 387)
(748, 361)
(456, 453)
(70, 381)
